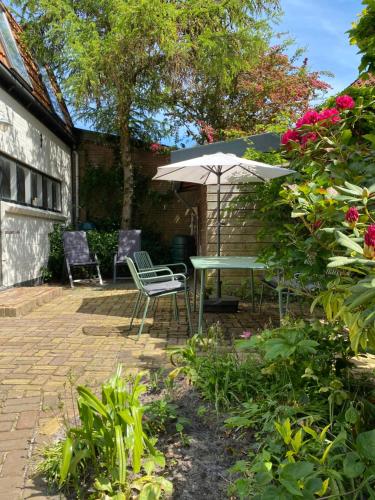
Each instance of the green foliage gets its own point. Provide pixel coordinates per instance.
(108, 452)
(350, 298)
(362, 34)
(123, 63)
(158, 414)
(294, 391)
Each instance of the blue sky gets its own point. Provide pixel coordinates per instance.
(319, 26)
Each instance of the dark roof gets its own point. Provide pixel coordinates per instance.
(13, 82)
(260, 142)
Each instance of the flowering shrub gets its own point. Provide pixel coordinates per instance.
(325, 118)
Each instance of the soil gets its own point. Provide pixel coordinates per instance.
(199, 469)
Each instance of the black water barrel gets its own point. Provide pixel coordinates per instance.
(182, 248)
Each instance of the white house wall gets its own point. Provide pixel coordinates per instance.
(24, 230)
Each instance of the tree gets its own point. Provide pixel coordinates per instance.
(119, 62)
(270, 90)
(362, 34)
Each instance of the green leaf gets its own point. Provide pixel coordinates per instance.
(351, 415)
(353, 466)
(349, 243)
(92, 401)
(121, 455)
(366, 444)
(297, 471)
(66, 458)
(346, 135)
(370, 137)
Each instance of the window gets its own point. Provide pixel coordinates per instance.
(4, 179)
(23, 185)
(13, 55)
(51, 92)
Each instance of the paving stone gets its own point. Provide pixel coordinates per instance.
(46, 348)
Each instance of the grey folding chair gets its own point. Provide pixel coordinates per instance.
(144, 263)
(155, 287)
(129, 241)
(77, 254)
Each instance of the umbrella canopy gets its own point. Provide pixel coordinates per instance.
(219, 168)
(228, 167)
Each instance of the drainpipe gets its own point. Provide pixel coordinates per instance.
(76, 186)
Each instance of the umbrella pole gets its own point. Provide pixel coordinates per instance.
(218, 231)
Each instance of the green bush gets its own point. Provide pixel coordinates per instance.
(294, 390)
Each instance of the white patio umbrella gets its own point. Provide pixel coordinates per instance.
(219, 168)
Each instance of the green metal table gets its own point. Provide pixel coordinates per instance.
(202, 264)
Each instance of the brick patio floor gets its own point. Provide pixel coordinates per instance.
(41, 351)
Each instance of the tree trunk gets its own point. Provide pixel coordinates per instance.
(127, 169)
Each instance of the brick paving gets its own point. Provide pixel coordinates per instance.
(43, 350)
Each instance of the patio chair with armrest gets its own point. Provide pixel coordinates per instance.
(129, 241)
(151, 287)
(143, 262)
(77, 254)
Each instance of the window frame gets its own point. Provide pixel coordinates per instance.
(44, 180)
(13, 53)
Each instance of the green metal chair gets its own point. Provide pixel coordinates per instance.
(153, 287)
(144, 263)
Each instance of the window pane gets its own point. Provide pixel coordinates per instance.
(14, 57)
(4, 179)
(54, 195)
(51, 92)
(45, 193)
(20, 184)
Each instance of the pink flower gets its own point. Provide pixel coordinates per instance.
(345, 102)
(309, 118)
(155, 147)
(352, 215)
(329, 116)
(246, 335)
(309, 137)
(290, 135)
(369, 248)
(332, 192)
(317, 224)
(370, 236)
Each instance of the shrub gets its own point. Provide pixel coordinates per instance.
(294, 390)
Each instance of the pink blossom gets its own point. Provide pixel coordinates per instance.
(309, 118)
(332, 192)
(309, 137)
(155, 147)
(352, 215)
(345, 102)
(370, 236)
(317, 224)
(290, 135)
(369, 248)
(329, 116)
(246, 335)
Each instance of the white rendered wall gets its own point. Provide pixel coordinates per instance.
(24, 230)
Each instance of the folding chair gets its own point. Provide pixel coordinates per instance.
(77, 254)
(129, 241)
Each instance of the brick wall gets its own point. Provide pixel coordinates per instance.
(170, 217)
